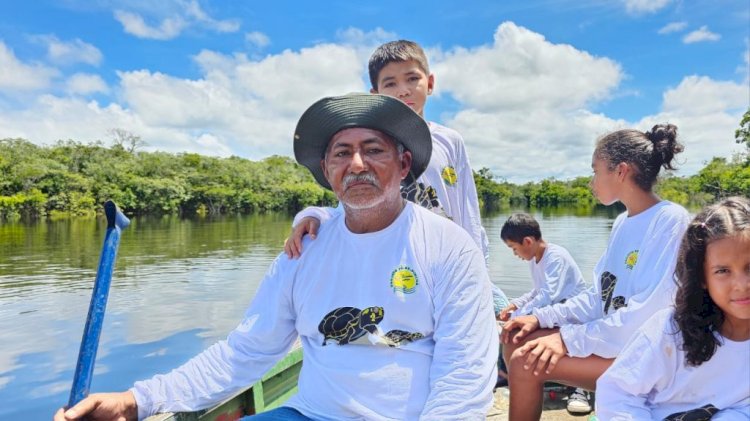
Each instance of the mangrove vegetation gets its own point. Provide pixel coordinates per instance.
(73, 178)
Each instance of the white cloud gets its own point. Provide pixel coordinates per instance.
(193, 10)
(522, 69)
(706, 112)
(700, 35)
(645, 6)
(259, 39)
(134, 24)
(672, 27)
(75, 51)
(85, 83)
(183, 15)
(524, 103)
(18, 76)
(356, 37)
(238, 107)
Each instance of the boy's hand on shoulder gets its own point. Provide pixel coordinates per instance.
(504, 315)
(293, 244)
(543, 353)
(518, 328)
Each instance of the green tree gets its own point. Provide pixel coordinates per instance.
(742, 134)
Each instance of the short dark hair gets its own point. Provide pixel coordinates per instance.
(518, 226)
(395, 51)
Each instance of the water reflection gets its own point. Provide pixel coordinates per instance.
(179, 285)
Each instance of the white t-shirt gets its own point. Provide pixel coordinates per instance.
(650, 379)
(633, 279)
(556, 277)
(393, 324)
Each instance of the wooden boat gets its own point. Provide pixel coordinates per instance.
(271, 391)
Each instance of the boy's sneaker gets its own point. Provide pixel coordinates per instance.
(578, 402)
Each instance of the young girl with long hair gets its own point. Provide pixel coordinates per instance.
(575, 342)
(692, 362)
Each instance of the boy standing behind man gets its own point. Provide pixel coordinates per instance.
(554, 273)
(399, 69)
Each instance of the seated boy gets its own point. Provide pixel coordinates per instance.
(555, 276)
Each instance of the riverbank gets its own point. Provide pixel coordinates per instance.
(554, 409)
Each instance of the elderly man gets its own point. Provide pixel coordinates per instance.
(392, 303)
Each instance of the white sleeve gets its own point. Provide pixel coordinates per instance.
(605, 337)
(584, 307)
(557, 274)
(463, 371)
(468, 215)
(740, 413)
(322, 214)
(521, 301)
(264, 336)
(622, 391)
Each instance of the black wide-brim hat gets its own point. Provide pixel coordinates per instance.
(388, 115)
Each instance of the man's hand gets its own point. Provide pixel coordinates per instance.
(524, 325)
(505, 313)
(543, 353)
(102, 407)
(293, 244)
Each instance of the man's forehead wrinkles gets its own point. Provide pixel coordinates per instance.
(348, 143)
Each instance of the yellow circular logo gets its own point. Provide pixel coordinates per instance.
(632, 259)
(404, 280)
(449, 176)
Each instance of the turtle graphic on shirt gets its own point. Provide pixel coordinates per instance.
(424, 196)
(703, 413)
(347, 324)
(608, 282)
(395, 337)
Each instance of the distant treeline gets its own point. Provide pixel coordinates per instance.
(75, 179)
(719, 178)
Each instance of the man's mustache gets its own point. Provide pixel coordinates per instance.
(350, 179)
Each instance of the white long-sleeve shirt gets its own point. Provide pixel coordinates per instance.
(556, 277)
(632, 280)
(650, 379)
(393, 324)
(448, 189)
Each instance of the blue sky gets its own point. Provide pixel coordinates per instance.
(529, 84)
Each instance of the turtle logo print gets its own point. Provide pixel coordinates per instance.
(608, 282)
(449, 176)
(703, 413)
(404, 280)
(423, 196)
(346, 325)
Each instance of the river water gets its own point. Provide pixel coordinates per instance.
(179, 286)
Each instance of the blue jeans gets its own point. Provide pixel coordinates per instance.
(282, 413)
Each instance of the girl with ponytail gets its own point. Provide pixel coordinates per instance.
(575, 342)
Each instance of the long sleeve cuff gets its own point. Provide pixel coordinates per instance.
(545, 316)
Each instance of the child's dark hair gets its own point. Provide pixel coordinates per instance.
(401, 50)
(696, 314)
(518, 226)
(645, 152)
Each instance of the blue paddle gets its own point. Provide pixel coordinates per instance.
(116, 222)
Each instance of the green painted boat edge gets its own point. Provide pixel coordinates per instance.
(274, 388)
